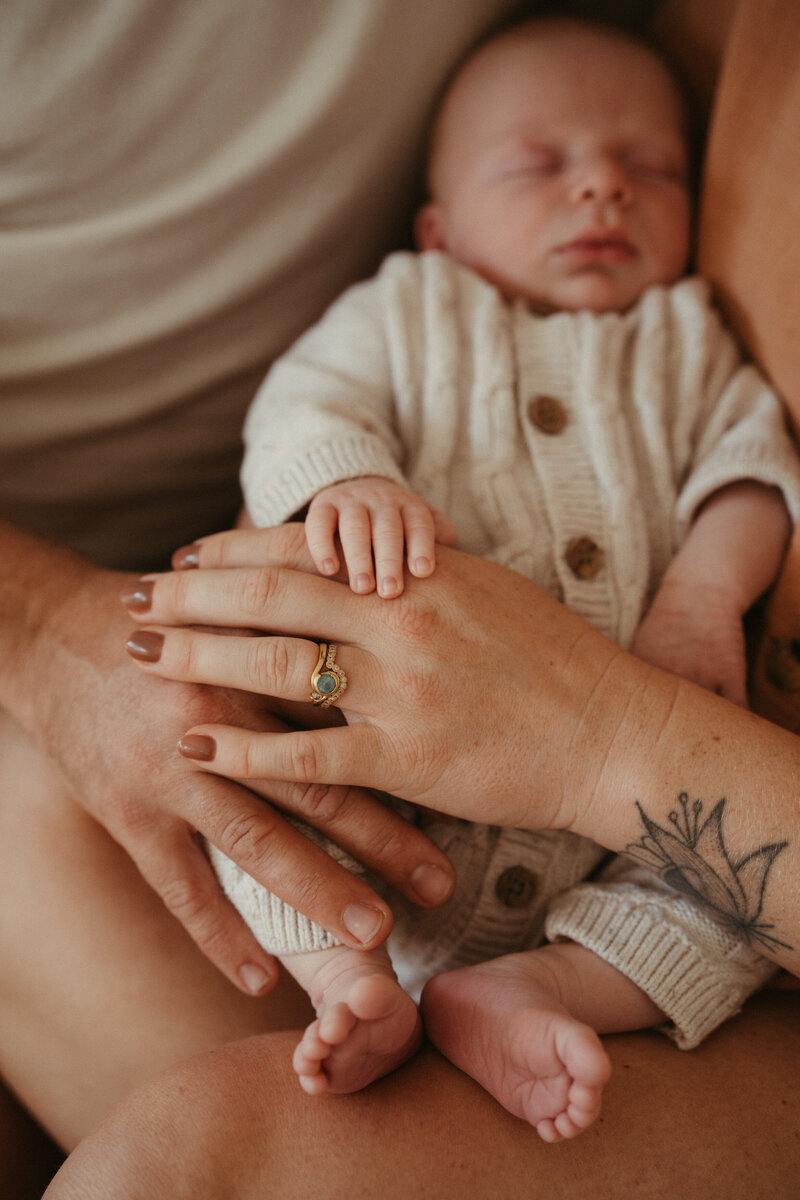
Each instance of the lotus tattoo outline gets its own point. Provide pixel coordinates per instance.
(692, 858)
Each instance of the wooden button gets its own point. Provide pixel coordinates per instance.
(547, 414)
(516, 887)
(782, 664)
(584, 558)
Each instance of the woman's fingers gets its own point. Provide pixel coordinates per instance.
(346, 755)
(281, 545)
(268, 666)
(269, 598)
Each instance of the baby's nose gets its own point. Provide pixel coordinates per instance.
(601, 179)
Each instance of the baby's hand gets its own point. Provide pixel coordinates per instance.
(377, 520)
(698, 635)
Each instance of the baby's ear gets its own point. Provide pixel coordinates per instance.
(429, 228)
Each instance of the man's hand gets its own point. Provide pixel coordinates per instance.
(113, 732)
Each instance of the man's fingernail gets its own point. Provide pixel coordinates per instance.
(362, 921)
(186, 557)
(145, 645)
(431, 883)
(139, 598)
(255, 978)
(199, 746)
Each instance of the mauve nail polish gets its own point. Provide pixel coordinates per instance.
(139, 598)
(145, 645)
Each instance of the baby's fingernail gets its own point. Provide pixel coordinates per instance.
(198, 746)
(362, 921)
(255, 978)
(422, 566)
(329, 566)
(145, 645)
(139, 597)
(431, 883)
(389, 586)
(363, 583)
(186, 557)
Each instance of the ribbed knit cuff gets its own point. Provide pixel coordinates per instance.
(278, 927)
(273, 498)
(696, 972)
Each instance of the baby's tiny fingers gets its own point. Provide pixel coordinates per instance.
(355, 534)
(388, 538)
(321, 525)
(420, 539)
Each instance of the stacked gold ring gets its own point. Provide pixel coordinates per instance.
(328, 681)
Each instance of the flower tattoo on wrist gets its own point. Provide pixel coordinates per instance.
(692, 857)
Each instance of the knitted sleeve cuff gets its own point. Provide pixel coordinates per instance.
(697, 972)
(277, 927)
(274, 496)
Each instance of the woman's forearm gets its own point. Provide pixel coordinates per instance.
(705, 794)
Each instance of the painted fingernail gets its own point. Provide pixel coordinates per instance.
(145, 645)
(198, 746)
(255, 978)
(362, 921)
(186, 557)
(139, 598)
(431, 883)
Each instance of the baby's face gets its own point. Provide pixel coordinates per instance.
(559, 171)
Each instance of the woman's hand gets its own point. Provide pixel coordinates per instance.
(474, 692)
(477, 694)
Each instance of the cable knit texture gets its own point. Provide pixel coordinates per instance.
(426, 376)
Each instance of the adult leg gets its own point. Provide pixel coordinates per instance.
(100, 988)
(719, 1121)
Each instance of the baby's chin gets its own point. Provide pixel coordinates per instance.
(596, 291)
(591, 298)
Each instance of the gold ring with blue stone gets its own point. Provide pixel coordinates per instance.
(328, 680)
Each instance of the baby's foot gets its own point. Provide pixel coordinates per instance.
(366, 1025)
(502, 1023)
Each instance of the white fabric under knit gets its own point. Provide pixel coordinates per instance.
(424, 375)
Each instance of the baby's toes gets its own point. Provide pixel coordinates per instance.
(547, 1130)
(584, 1104)
(310, 1051)
(336, 1024)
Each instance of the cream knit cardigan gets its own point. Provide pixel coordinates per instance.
(425, 375)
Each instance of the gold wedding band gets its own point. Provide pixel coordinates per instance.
(328, 681)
